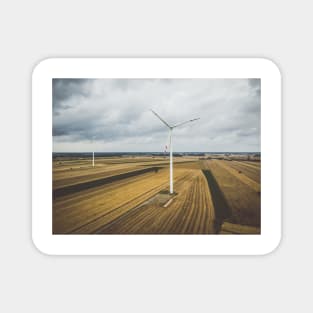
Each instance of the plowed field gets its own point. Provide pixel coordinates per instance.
(130, 196)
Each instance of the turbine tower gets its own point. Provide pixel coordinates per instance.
(171, 143)
(93, 151)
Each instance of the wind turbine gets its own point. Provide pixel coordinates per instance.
(93, 152)
(171, 143)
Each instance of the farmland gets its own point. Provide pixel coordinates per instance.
(129, 195)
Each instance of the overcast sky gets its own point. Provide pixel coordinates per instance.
(113, 115)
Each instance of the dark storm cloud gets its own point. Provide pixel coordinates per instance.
(63, 89)
(115, 114)
(255, 85)
(254, 82)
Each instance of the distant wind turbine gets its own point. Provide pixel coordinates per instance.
(171, 143)
(93, 152)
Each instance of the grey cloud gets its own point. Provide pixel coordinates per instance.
(115, 114)
(255, 85)
(64, 89)
(254, 82)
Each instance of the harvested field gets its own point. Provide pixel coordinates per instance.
(243, 201)
(101, 181)
(251, 171)
(230, 229)
(251, 164)
(130, 196)
(69, 172)
(243, 174)
(187, 213)
(221, 207)
(101, 204)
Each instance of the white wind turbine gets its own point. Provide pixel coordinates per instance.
(171, 143)
(93, 152)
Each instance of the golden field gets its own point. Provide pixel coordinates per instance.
(129, 195)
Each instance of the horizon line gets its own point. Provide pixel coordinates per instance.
(160, 152)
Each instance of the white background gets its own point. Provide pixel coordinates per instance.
(33, 30)
(264, 69)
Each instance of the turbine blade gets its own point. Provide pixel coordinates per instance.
(161, 119)
(194, 119)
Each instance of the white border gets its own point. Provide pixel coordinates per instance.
(156, 244)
